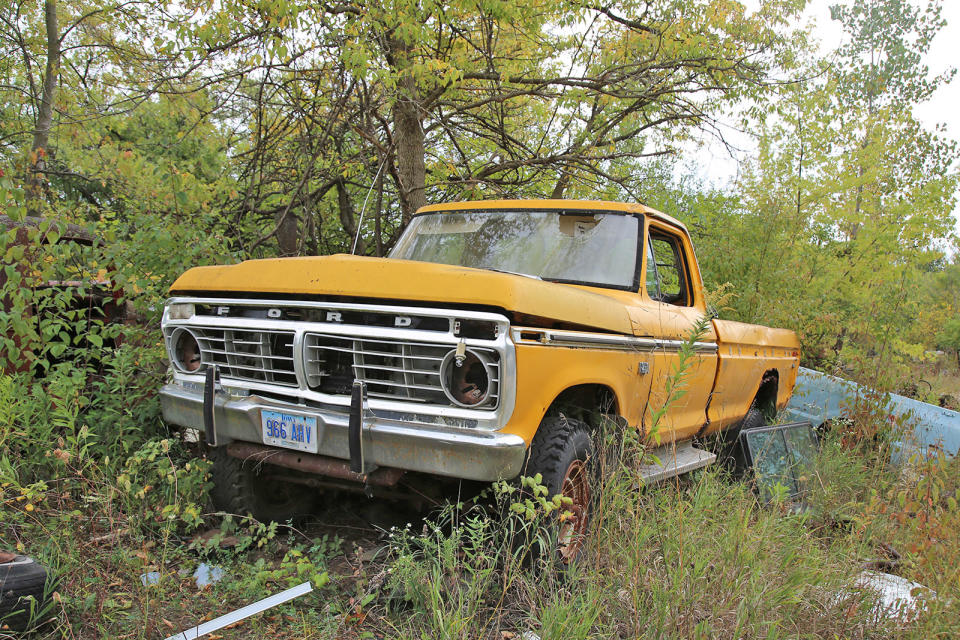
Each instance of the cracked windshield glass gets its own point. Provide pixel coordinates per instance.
(598, 249)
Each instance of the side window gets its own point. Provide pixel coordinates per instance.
(666, 276)
(653, 284)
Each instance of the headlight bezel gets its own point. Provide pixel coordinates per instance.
(177, 358)
(448, 367)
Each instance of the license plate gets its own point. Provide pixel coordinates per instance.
(290, 431)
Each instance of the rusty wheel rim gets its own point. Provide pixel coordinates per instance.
(6, 557)
(573, 528)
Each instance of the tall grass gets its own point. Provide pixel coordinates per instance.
(92, 485)
(696, 559)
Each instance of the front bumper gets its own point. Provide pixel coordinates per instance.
(458, 453)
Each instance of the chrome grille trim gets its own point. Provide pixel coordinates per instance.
(382, 398)
(246, 354)
(407, 370)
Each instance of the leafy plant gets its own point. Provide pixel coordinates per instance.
(162, 487)
(949, 337)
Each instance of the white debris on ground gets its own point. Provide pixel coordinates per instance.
(243, 613)
(150, 578)
(206, 575)
(898, 597)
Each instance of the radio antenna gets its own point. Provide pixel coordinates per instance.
(364, 207)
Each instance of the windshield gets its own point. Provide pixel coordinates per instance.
(591, 248)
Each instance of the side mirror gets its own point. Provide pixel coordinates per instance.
(712, 312)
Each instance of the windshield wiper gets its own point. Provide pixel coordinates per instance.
(513, 273)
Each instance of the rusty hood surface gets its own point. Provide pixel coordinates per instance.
(396, 281)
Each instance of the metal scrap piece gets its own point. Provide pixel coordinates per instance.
(243, 613)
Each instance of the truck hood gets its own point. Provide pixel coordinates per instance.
(407, 280)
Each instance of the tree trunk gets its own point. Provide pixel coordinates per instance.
(561, 186)
(408, 134)
(287, 237)
(310, 226)
(41, 133)
(410, 149)
(378, 230)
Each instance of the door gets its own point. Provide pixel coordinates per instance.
(669, 309)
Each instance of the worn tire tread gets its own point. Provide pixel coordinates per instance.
(10, 599)
(546, 450)
(753, 419)
(550, 448)
(238, 489)
(232, 484)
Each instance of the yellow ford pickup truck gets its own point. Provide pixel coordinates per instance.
(489, 344)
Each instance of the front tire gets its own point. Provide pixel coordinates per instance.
(562, 453)
(242, 487)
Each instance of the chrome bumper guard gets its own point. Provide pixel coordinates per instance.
(458, 453)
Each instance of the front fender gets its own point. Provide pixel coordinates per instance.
(545, 371)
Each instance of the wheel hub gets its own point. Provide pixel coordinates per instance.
(576, 486)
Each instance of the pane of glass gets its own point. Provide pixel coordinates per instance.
(669, 270)
(594, 249)
(772, 464)
(653, 287)
(802, 445)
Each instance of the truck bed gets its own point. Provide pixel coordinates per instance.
(747, 354)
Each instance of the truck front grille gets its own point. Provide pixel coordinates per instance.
(438, 362)
(255, 355)
(394, 369)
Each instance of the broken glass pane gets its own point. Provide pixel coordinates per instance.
(782, 458)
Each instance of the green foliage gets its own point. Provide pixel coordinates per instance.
(276, 134)
(653, 557)
(279, 117)
(949, 337)
(675, 384)
(295, 568)
(884, 56)
(159, 489)
(836, 229)
(702, 545)
(533, 501)
(197, 133)
(468, 558)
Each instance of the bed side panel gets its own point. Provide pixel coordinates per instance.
(746, 352)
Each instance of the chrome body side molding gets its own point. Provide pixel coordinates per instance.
(589, 340)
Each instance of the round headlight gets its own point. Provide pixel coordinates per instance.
(467, 383)
(186, 351)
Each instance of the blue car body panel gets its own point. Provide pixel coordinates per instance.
(818, 397)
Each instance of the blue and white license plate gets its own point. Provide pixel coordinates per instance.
(290, 431)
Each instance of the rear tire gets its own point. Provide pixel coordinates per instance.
(726, 444)
(241, 487)
(562, 453)
(753, 419)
